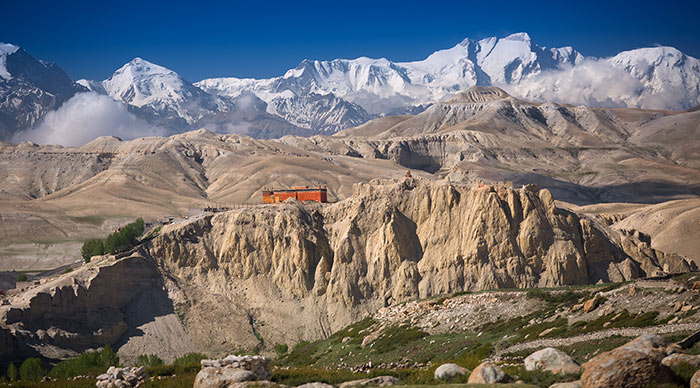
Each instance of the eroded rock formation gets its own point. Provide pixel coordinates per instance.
(291, 272)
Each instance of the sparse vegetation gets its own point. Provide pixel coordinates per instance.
(281, 349)
(89, 363)
(22, 277)
(149, 360)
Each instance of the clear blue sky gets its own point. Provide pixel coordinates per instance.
(91, 39)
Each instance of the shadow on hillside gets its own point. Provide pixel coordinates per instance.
(648, 192)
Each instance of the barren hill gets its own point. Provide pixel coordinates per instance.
(582, 155)
(295, 272)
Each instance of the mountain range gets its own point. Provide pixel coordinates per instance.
(323, 97)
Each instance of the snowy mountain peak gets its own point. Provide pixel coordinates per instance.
(5, 50)
(140, 82)
(519, 37)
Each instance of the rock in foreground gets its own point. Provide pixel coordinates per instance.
(634, 364)
(232, 370)
(121, 377)
(553, 360)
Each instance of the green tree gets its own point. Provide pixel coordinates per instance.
(32, 370)
(108, 357)
(12, 373)
(22, 277)
(92, 248)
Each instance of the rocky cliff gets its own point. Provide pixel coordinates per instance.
(261, 275)
(300, 271)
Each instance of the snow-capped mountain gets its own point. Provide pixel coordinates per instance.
(324, 113)
(160, 95)
(380, 86)
(29, 89)
(326, 96)
(658, 77)
(670, 79)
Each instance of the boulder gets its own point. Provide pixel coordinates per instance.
(488, 373)
(445, 371)
(634, 364)
(570, 384)
(590, 304)
(680, 358)
(315, 385)
(695, 380)
(553, 360)
(380, 381)
(213, 377)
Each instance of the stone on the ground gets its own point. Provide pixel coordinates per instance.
(315, 385)
(232, 370)
(695, 380)
(680, 358)
(381, 381)
(121, 378)
(445, 371)
(553, 360)
(634, 364)
(590, 304)
(570, 384)
(217, 377)
(488, 373)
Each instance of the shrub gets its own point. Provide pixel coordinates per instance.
(281, 349)
(149, 360)
(189, 359)
(22, 277)
(88, 363)
(32, 370)
(12, 373)
(108, 357)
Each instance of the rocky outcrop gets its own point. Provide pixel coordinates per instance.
(231, 370)
(292, 272)
(634, 364)
(389, 242)
(553, 360)
(121, 301)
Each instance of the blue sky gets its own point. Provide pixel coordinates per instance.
(91, 39)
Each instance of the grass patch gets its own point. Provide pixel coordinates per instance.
(90, 220)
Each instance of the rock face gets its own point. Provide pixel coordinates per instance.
(388, 242)
(445, 371)
(635, 364)
(231, 370)
(553, 360)
(488, 373)
(295, 272)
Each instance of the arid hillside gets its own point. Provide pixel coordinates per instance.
(258, 268)
(583, 155)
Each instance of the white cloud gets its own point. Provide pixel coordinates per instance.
(592, 83)
(85, 117)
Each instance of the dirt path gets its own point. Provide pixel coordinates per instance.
(624, 332)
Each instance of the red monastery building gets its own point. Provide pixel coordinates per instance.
(300, 193)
